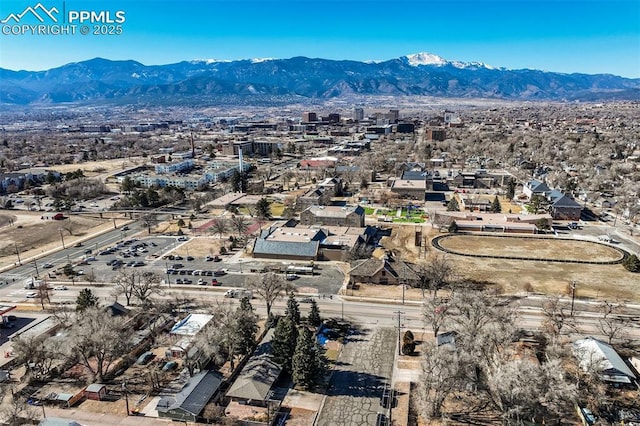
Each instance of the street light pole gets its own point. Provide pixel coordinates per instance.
(62, 238)
(36, 266)
(167, 270)
(399, 314)
(18, 254)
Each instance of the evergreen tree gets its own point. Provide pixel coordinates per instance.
(495, 205)
(453, 206)
(247, 326)
(293, 310)
(236, 181)
(303, 363)
(314, 314)
(511, 189)
(86, 299)
(632, 263)
(263, 209)
(283, 344)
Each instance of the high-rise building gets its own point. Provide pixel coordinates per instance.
(309, 117)
(358, 114)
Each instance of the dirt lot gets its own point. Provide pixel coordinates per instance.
(93, 168)
(512, 276)
(33, 235)
(530, 247)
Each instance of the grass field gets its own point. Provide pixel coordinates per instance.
(538, 248)
(513, 276)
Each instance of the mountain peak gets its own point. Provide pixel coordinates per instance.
(424, 58)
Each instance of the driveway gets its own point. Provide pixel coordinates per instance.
(364, 367)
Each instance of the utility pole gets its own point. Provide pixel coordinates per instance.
(18, 254)
(573, 295)
(399, 327)
(35, 264)
(126, 395)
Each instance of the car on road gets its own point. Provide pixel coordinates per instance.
(87, 251)
(190, 258)
(78, 245)
(178, 258)
(306, 300)
(31, 295)
(183, 238)
(60, 287)
(47, 265)
(291, 277)
(125, 228)
(208, 258)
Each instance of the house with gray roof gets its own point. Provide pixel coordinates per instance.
(288, 243)
(187, 404)
(595, 355)
(333, 216)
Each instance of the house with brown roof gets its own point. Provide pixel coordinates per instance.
(384, 272)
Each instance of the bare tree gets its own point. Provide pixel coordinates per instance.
(220, 226)
(440, 377)
(37, 353)
(612, 324)
(147, 284)
(15, 411)
(557, 315)
(149, 220)
(435, 312)
(140, 285)
(97, 340)
(270, 286)
(43, 293)
(123, 284)
(438, 272)
(239, 224)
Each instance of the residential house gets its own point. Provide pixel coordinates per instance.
(593, 354)
(187, 405)
(383, 271)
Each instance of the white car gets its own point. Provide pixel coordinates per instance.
(60, 287)
(32, 295)
(48, 265)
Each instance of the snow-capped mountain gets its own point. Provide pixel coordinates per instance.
(262, 80)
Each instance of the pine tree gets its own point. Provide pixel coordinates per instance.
(284, 342)
(293, 310)
(495, 205)
(263, 209)
(632, 263)
(511, 189)
(314, 314)
(86, 299)
(303, 362)
(453, 206)
(247, 326)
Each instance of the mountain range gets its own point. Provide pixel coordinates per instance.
(265, 80)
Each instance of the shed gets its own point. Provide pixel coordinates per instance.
(96, 391)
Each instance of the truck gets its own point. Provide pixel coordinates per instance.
(239, 293)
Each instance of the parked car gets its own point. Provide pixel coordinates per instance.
(219, 273)
(145, 358)
(169, 366)
(201, 281)
(292, 277)
(32, 295)
(215, 282)
(190, 258)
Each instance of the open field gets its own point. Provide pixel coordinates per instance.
(32, 235)
(530, 247)
(513, 276)
(93, 168)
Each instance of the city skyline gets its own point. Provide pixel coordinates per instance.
(567, 36)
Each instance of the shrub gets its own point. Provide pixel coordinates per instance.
(632, 263)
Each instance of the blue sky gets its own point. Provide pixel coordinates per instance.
(590, 36)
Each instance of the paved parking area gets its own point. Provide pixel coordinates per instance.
(364, 367)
